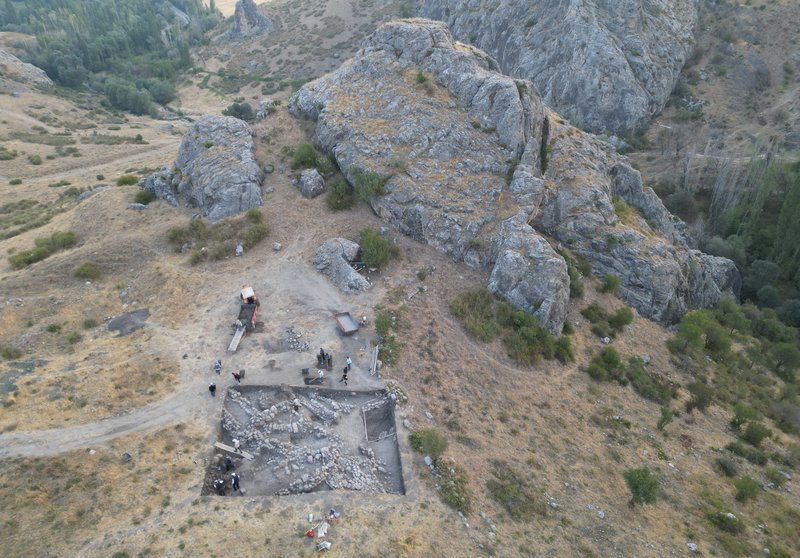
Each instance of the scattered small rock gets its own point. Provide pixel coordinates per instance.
(137, 206)
(692, 547)
(276, 246)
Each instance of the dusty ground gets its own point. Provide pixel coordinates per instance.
(550, 423)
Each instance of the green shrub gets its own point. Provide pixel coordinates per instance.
(88, 270)
(44, 247)
(621, 318)
(366, 184)
(642, 484)
(755, 433)
(610, 284)
(594, 313)
(702, 395)
(727, 466)
(428, 442)
(304, 157)
(421, 77)
(563, 350)
(376, 251)
(34, 159)
(53, 328)
(254, 215)
(143, 197)
(389, 352)
(100, 177)
(514, 493)
(382, 324)
(89, 323)
(454, 492)
(15, 181)
(178, 236)
(9, 352)
(74, 337)
(241, 110)
(746, 488)
(742, 414)
(255, 234)
(576, 287)
(726, 521)
(340, 195)
(127, 180)
(665, 419)
(753, 455)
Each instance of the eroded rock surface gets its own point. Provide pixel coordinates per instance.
(333, 259)
(15, 70)
(462, 149)
(215, 170)
(605, 64)
(248, 21)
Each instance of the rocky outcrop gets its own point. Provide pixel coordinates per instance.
(333, 259)
(311, 184)
(215, 170)
(605, 64)
(594, 204)
(462, 147)
(15, 70)
(248, 21)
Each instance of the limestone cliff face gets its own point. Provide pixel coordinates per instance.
(476, 166)
(604, 64)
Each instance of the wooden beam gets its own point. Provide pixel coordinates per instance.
(229, 449)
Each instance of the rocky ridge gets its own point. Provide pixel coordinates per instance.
(215, 170)
(463, 149)
(248, 21)
(15, 70)
(605, 64)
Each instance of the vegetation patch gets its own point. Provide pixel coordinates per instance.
(218, 241)
(515, 493)
(306, 156)
(486, 318)
(340, 195)
(88, 270)
(607, 366)
(642, 485)
(376, 251)
(605, 325)
(44, 247)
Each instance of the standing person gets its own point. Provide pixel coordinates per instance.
(349, 362)
(235, 481)
(236, 446)
(212, 387)
(329, 362)
(344, 376)
(320, 375)
(228, 463)
(217, 366)
(321, 357)
(237, 377)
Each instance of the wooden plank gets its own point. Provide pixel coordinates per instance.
(229, 449)
(373, 367)
(235, 341)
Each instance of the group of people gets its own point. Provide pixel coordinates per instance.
(219, 484)
(237, 375)
(326, 360)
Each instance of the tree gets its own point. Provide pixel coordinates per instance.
(787, 359)
(642, 484)
(242, 111)
(768, 296)
(376, 251)
(731, 315)
(742, 413)
(702, 395)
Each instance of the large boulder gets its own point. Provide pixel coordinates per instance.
(462, 149)
(215, 170)
(311, 184)
(333, 259)
(15, 70)
(605, 64)
(248, 21)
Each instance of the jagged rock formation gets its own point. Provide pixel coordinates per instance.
(215, 170)
(248, 21)
(604, 64)
(463, 148)
(333, 259)
(15, 70)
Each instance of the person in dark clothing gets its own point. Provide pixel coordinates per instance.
(212, 388)
(344, 376)
(329, 361)
(237, 377)
(228, 463)
(217, 366)
(235, 481)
